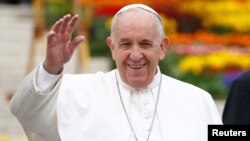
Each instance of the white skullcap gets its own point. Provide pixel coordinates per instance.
(142, 6)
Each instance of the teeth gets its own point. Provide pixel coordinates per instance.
(136, 65)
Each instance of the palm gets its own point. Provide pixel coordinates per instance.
(58, 48)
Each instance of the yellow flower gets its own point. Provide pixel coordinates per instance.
(232, 14)
(193, 64)
(215, 62)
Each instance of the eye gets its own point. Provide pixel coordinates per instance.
(125, 45)
(146, 45)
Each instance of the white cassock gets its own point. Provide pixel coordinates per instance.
(87, 107)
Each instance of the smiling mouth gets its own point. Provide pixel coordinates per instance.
(136, 66)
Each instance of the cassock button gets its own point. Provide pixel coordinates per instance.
(147, 116)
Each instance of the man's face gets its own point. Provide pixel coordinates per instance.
(137, 47)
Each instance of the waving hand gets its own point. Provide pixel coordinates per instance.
(60, 45)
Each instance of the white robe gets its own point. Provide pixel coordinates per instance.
(87, 107)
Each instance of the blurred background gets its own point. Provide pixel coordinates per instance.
(210, 43)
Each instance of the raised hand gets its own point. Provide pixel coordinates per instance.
(60, 45)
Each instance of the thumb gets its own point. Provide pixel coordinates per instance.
(76, 42)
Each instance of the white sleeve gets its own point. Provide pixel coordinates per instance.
(37, 113)
(45, 82)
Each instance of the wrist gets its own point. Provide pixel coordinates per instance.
(52, 69)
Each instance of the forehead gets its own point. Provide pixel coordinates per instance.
(135, 25)
(140, 7)
(136, 21)
(136, 14)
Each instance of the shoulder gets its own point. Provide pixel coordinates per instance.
(187, 95)
(183, 90)
(181, 85)
(245, 77)
(87, 79)
(241, 84)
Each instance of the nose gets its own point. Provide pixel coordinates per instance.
(136, 54)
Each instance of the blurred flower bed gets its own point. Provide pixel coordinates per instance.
(233, 14)
(209, 39)
(210, 44)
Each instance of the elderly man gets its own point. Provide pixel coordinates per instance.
(134, 102)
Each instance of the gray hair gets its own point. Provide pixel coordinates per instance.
(138, 7)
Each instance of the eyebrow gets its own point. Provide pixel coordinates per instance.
(124, 40)
(147, 41)
(142, 41)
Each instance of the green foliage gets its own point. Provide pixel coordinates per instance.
(221, 29)
(55, 9)
(98, 35)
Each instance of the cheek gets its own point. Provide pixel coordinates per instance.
(116, 54)
(156, 56)
(121, 55)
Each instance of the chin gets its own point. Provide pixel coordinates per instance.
(138, 83)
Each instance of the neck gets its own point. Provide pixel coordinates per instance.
(154, 83)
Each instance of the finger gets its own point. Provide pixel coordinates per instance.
(51, 33)
(72, 24)
(66, 20)
(76, 42)
(57, 26)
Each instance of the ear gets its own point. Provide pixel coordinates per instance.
(111, 46)
(164, 47)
